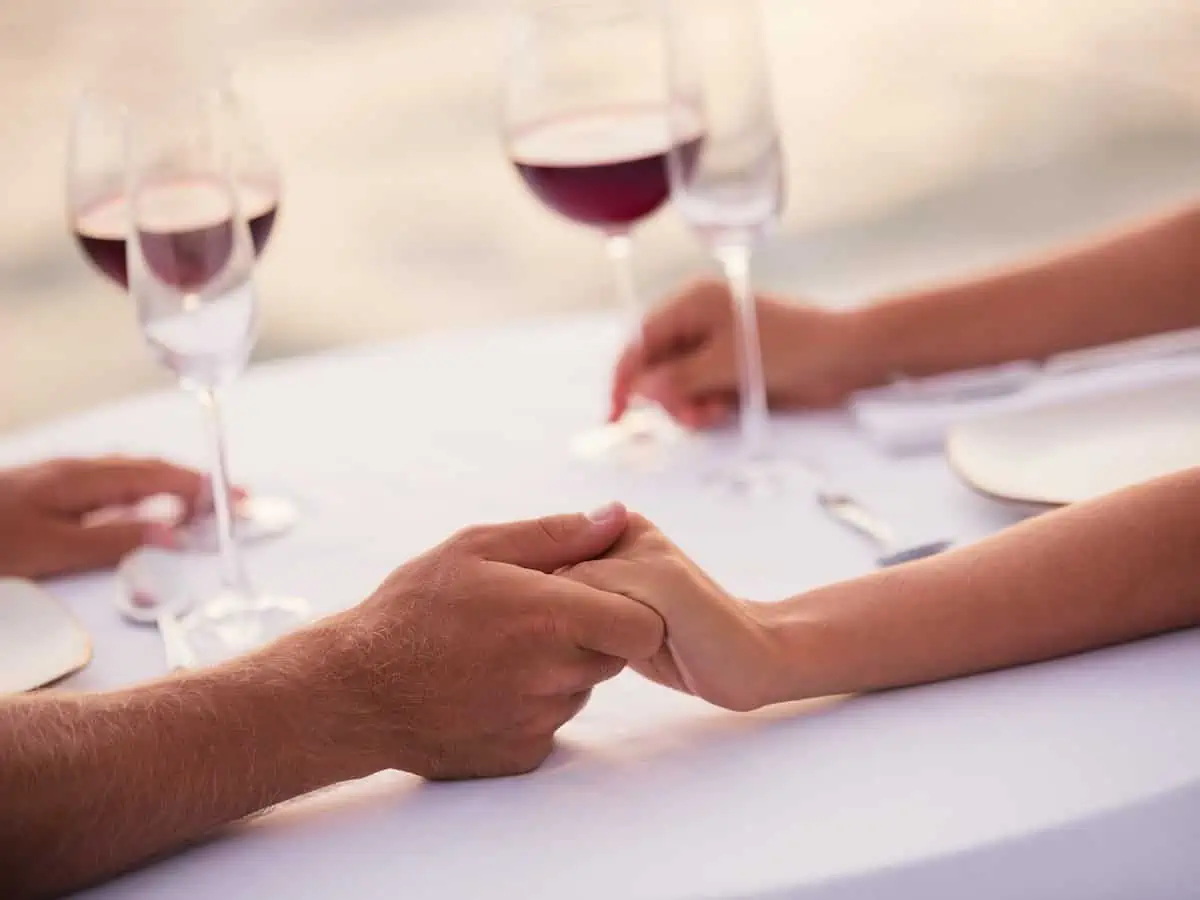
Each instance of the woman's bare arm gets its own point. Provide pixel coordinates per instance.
(1144, 280)
(1119, 568)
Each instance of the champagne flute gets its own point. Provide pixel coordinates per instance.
(585, 124)
(729, 188)
(190, 258)
(98, 215)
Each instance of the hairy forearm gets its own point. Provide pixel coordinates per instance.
(1119, 568)
(94, 784)
(1140, 282)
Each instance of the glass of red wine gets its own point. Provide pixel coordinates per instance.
(731, 188)
(585, 123)
(190, 256)
(97, 209)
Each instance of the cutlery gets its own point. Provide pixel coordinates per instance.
(849, 512)
(150, 593)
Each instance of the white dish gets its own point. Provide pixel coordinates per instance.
(1073, 451)
(40, 642)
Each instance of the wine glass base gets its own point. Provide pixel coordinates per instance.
(643, 439)
(257, 519)
(231, 624)
(762, 477)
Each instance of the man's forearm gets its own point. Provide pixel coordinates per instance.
(91, 785)
(1100, 573)
(1143, 281)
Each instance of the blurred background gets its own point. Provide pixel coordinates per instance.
(925, 138)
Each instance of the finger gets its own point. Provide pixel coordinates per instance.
(629, 367)
(627, 578)
(82, 549)
(202, 503)
(676, 327)
(685, 321)
(589, 668)
(551, 542)
(711, 412)
(75, 487)
(685, 379)
(705, 623)
(565, 668)
(563, 711)
(608, 623)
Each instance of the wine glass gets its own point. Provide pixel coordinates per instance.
(585, 123)
(190, 255)
(726, 173)
(98, 215)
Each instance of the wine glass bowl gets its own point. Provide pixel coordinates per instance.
(190, 257)
(730, 189)
(605, 169)
(585, 123)
(99, 215)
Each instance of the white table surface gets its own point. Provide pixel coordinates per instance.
(1078, 778)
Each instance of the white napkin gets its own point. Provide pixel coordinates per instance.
(914, 416)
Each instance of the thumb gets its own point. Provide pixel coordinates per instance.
(552, 542)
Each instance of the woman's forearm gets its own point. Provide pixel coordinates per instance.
(1142, 281)
(1112, 570)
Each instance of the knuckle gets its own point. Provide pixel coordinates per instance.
(469, 539)
(554, 529)
(589, 573)
(545, 629)
(675, 567)
(639, 522)
(606, 670)
(529, 755)
(60, 469)
(708, 291)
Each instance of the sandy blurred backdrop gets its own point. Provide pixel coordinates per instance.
(925, 138)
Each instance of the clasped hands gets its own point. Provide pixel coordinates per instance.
(468, 659)
(714, 646)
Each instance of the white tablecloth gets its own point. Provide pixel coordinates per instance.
(1079, 778)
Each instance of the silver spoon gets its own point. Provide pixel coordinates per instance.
(854, 515)
(151, 592)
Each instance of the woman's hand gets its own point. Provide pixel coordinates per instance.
(46, 512)
(687, 358)
(716, 647)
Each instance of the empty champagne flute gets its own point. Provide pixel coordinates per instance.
(97, 209)
(585, 124)
(190, 264)
(730, 189)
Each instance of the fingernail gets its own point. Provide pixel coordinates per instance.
(648, 386)
(605, 514)
(159, 534)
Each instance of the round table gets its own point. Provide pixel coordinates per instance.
(1077, 778)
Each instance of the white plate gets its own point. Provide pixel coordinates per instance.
(40, 641)
(1073, 451)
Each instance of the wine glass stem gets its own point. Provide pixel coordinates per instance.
(233, 575)
(735, 261)
(620, 250)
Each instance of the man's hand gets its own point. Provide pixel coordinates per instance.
(717, 647)
(45, 510)
(464, 663)
(687, 358)
(468, 659)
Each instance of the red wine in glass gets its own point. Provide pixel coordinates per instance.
(605, 168)
(184, 255)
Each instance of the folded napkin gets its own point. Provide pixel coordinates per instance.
(914, 416)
